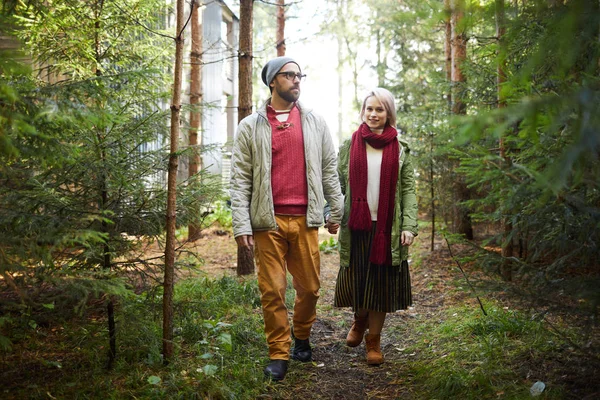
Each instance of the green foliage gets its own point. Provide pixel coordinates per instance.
(103, 38)
(548, 186)
(219, 342)
(329, 245)
(472, 356)
(74, 178)
(83, 161)
(220, 213)
(545, 186)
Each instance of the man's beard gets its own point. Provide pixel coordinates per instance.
(289, 95)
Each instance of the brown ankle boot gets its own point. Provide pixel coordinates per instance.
(357, 331)
(374, 356)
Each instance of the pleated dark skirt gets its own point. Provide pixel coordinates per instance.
(369, 286)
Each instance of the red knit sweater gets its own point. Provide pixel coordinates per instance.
(288, 172)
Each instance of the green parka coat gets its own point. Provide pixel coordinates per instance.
(405, 208)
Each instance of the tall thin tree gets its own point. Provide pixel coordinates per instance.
(245, 59)
(103, 184)
(245, 263)
(172, 190)
(507, 227)
(462, 218)
(432, 188)
(195, 136)
(448, 48)
(340, 67)
(280, 28)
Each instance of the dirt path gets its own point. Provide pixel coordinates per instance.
(340, 372)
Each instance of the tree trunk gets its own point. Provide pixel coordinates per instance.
(280, 28)
(507, 241)
(381, 63)
(195, 137)
(110, 307)
(245, 60)
(354, 66)
(448, 49)
(340, 100)
(245, 265)
(245, 261)
(172, 191)
(459, 56)
(462, 219)
(340, 70)
(432, 190)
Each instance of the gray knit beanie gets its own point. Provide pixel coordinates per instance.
(273, 66)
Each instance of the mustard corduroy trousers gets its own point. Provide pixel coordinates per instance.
(295, 246)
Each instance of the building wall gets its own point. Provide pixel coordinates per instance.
(219, 85)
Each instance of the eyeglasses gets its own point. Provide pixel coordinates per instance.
(289, 75)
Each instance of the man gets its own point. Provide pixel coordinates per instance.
(283, 168)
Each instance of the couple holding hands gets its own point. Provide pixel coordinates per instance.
(284, 168)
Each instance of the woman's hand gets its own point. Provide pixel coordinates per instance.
(331, 227)
(407, 238)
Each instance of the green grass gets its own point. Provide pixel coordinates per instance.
(471, 356)
(219, 342)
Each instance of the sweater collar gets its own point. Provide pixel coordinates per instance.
(304, 111)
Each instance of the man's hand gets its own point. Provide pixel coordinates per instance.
(331, 227)
(407, 238)
(245, 241)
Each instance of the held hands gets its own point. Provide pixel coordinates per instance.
(407, 238)
(245, 241)
(331, 227)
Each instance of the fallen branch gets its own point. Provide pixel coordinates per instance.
(465, 275)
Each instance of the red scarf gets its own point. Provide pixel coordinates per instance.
(360, 215)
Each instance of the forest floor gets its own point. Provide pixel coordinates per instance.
(439, 289)
(340, 372)
(442, 347)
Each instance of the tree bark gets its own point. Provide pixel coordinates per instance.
(103, 185)
(340, 70)
(459, 56)
(432, 190)
(172, 190)
(507, 228)
(245, 60)
(448, 48)
(280, 28)
(195, 137)
(245, 261)
(245, 265)
(462, 219)
(381, 63)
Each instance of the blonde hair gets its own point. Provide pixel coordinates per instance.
(386, 98)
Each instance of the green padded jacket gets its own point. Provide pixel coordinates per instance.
(405, 208)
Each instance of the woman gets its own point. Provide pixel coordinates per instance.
(380, 222)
